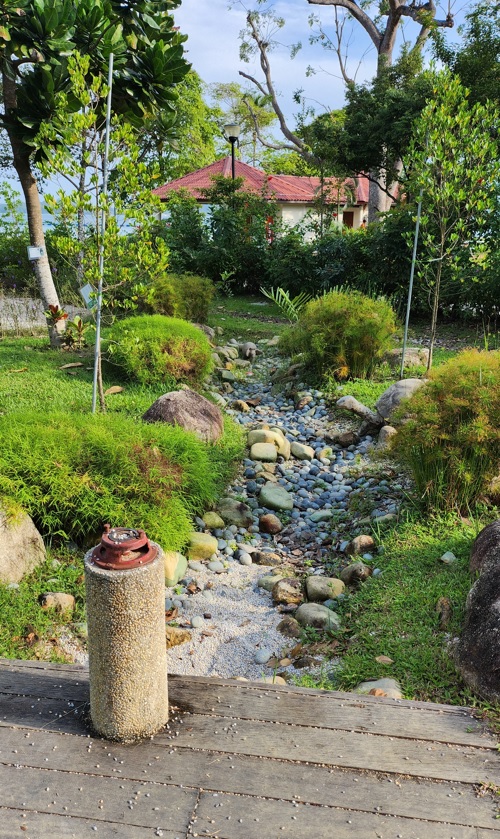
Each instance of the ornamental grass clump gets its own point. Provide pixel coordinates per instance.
(450, 437)
(154, 349)
(73, 473)
(342, 333)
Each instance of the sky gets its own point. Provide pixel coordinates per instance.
(213, 48)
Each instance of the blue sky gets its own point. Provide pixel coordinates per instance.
(213, 48)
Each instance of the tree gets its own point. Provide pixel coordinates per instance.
(476, 59)
(37, 37)
(174, 144)
(381, 21)
(252, 112)
(454, 166)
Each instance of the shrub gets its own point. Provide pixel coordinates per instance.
(73, 473)
(154, 349)
(451, 440)
(343, 333)
(186, 296)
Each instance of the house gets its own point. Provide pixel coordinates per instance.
(295, 195)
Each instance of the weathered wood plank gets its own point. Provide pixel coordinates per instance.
(105, 799)
(337, 748)
(40, 713)
(239, 817)
(44, 684)
(321, 710)
(31, 825)
(145, 762)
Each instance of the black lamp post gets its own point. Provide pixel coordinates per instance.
(232, 133)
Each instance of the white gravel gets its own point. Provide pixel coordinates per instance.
(243, 621)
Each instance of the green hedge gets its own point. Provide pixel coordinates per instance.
(74, 473)
(154, 349)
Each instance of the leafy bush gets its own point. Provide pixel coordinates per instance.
(343, 333)
(154, 349)
(73, 473)
(451, 440)
(186, 296)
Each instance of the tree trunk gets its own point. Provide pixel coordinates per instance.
(21, 161)
(81, 223)
(435, 306)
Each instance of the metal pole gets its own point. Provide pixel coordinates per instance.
(104, 192)
(412, 274)
(232, 140)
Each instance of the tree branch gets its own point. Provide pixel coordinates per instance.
(358, 14)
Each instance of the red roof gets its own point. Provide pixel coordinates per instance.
(293, 189)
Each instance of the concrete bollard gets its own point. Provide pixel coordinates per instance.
(125, 586)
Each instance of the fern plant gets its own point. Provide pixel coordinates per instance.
(290, 307)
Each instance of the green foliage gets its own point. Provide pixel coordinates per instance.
(186, 296)
(290, 307)
(184, 232)
(73, 473)
(343, 333)
(451, 440)
(154, 349)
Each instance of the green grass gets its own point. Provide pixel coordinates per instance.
(251, 318)
(26, 629)
(395, 614)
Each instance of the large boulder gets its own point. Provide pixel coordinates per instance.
(189, 410)
(394, 395)
(21, 547)
(477, 651)
(414, 357)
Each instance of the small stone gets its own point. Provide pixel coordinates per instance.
(262, 656)
(269, 581)
(384, 687)
(216, 566)
(244, 558)
(318, 616)
(359, 545)
(272, 680)
(197, 622)
(264, 452)
(267, 558)
(275, 497)
(301, 451)
(175, 636)
(212, 520)
(194, 565)
(288, 590)
(58, 600)
(175, 565)
(289, 627)
(386, 435)
(448, 558)
(269, 523)
(321, 515)
(201, 545)
(355, 573)
(319, 589)
(240, 405)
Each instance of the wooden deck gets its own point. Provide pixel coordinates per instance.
(242, 761)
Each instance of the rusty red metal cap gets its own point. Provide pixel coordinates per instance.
(122, 548)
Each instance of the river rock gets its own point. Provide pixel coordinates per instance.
(21, 547)
(267, 558)
(486, 548)
(317, 616)
(394, 395)
(414, 357)
(213, 521)
(385, 436)
(275, 497)
(269, 581)
(175, 636)
(288, 590)
(380, 687)
(269, 523)
(175, 565)
(189, 410)
(266, 452)
(201, 545)
(289, 627)
(240, 405)
(360, 545)
(319, 589)
(58, 600)
(355, 573)
(235, 512)
(302, 452)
